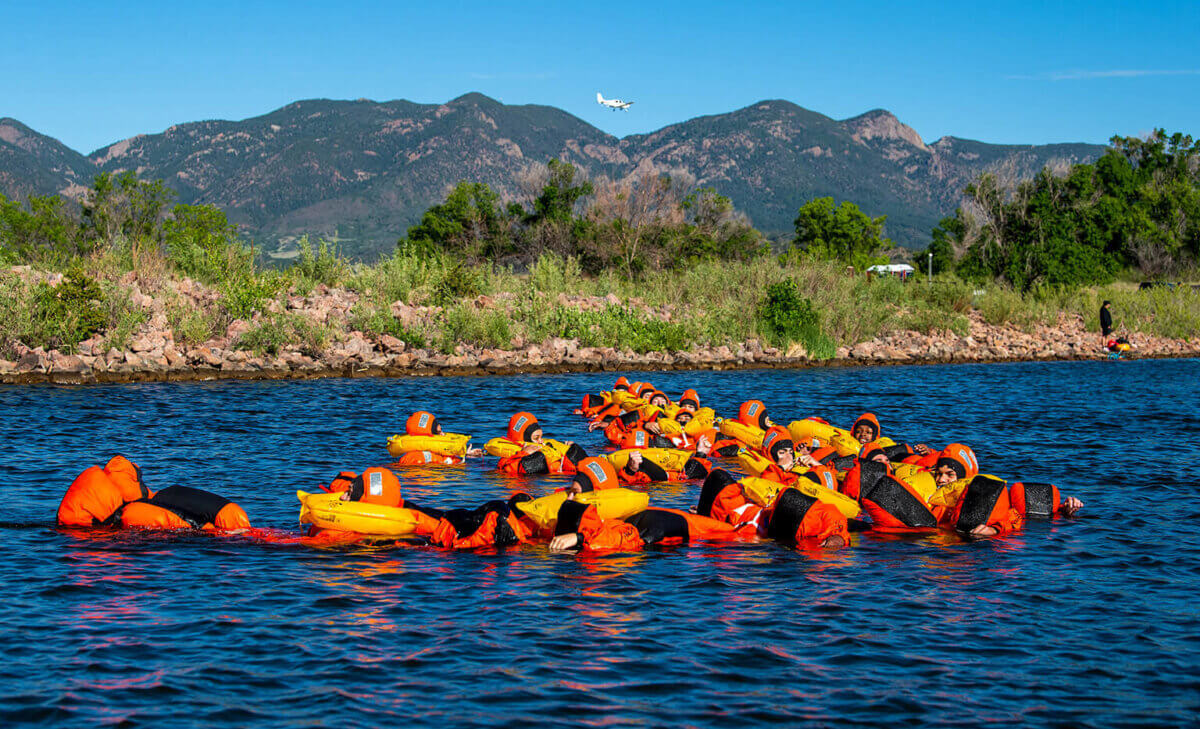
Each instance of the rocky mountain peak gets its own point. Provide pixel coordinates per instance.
(882, 124)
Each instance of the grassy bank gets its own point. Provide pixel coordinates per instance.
(436, 302)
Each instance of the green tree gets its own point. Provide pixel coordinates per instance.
(201, 242)
(560, 194)
(47, 230)
(842, 232)
(941, 245)
(122, 206)
(1138, 204)
(469, 223)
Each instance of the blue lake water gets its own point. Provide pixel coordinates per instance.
(1093, 621)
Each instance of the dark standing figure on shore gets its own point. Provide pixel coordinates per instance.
(1105, 324)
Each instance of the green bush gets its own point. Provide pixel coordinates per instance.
(322, 264)
(202, 243)
(243, 296)
(551, 273)
(786, 316)
(466, 325)
(946, 293)
(377, 319)
(71, 312)
(284, 331)
(458, 282)
(192, 325)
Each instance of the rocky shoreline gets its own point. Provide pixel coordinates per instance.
(153, 355)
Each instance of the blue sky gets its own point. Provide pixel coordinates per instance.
(1021, 72)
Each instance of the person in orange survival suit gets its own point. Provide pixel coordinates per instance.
(700, 442)
(602, 417)
(379, 485)
(595, 404)
(116, 495)
(620, 426)
(493, 524)
(777, 445)
(986, 507)
(871, 452)
(533, 459)
(580, 526)
(597, 474)
(638, 438)
(866, 428)
(723, 498)
(752, 413)
(893, 505)
(426, 423)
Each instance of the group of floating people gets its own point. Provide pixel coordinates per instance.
(808, 484)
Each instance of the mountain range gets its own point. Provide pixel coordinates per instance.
(365, 170)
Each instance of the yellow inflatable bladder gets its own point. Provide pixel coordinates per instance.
(918, 478)
(763, 492)
(747, 434)
(672, 459)
(328, 511)
(754, 463)
(447, 444)
(503, 447)
(611, 503)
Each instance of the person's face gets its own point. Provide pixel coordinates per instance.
(437, 429)
(944, 476)
(785, 457)
(688, 407)
(683, 418)
(880, 458)
(659, 400)
(864, 433)
(536, 436)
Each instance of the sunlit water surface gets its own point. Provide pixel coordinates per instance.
(1090, 622)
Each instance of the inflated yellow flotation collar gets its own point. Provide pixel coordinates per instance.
(754, 462)
(918, 478)
(611, 503)
(671, 459)
(749, 434)
(328, 511)
(447, 444)
(763, 492)
(503, 447)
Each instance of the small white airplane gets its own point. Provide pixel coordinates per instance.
(613, 104)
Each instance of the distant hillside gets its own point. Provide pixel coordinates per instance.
(367, 170)
(34, 163)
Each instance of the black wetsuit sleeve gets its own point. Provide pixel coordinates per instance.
(654, 526)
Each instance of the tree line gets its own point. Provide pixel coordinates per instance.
(1138, 206)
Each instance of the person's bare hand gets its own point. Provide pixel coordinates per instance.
(1071, 506)
(635, 461)
(703, 445)
(531, 448)
(922, 449)
(653, 428)
(563, 542)
(806, 460)
(983, 530)
(595, 424)
(474, 452)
